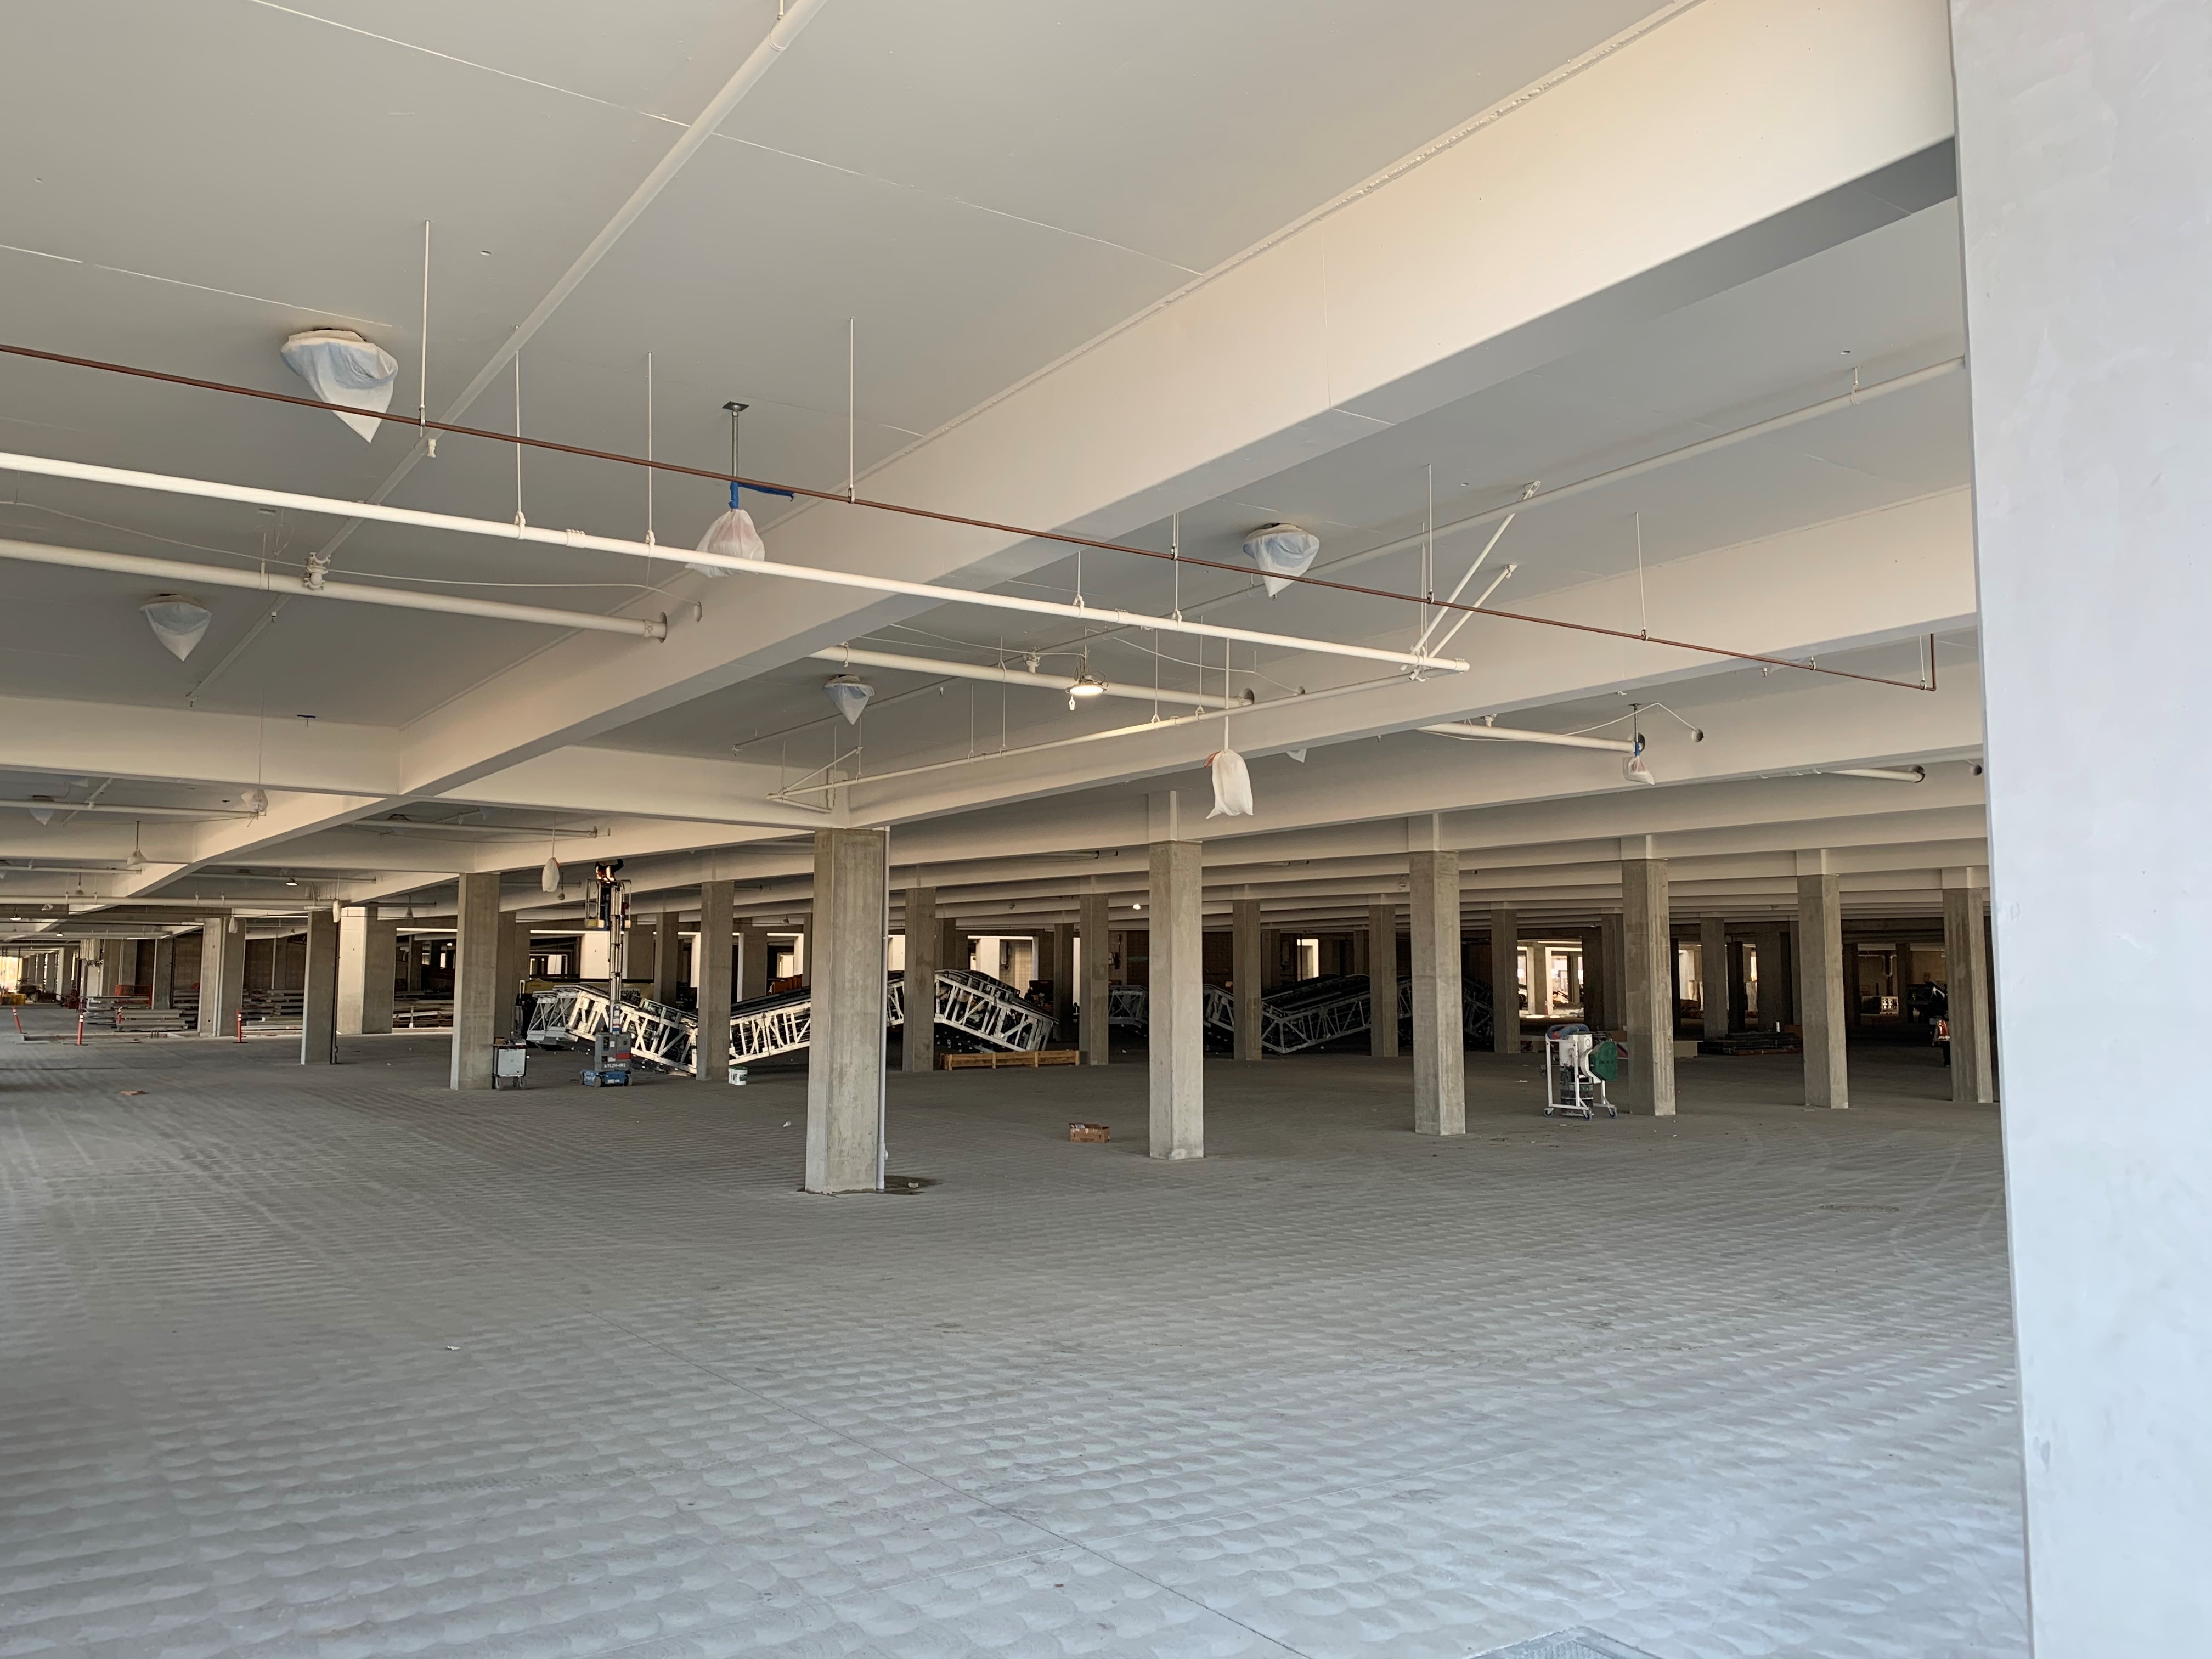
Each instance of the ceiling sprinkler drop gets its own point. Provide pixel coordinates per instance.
(178, 620)
(733, 536)
(42, 814)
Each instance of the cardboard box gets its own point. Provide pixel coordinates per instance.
(1088, 1132)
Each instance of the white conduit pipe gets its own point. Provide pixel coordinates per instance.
(209, 813)
(260, 581)
(999, 676)
(211, 490)
(1516, 734)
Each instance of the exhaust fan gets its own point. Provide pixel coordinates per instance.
(341, 367)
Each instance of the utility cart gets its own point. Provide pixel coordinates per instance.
(1577, 1064)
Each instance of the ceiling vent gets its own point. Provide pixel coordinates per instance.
(1281, 552)
(177, 621)
(341, 367)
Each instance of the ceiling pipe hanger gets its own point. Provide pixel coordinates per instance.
(1003, 675)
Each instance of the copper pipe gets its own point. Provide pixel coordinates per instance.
(1061, 537)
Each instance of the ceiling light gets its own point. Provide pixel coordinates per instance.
(341, 367)
(850, 695)
(1281, 552)
(177, 621)
(42, 814)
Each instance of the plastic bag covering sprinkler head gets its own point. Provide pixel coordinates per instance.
(1232, 784)
(341, 367)
(1634, 769)
(732, 535)
(548, 877)
(1281, 552)
(850, 695)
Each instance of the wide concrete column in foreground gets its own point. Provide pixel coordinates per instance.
(845, 1055)
(1716, 983)
(918, 1044)
(1967, 988)
(223, 975)
(2085, 156)
(711, 1056)
(1176, 1008)
(478, 930)
(1246, 972)
(1382, 981)
(319, 991)
(1439, 1031)
(1820, 972)
(1504, 980)
(1648, 973)
(1097, 970)
(367, 953)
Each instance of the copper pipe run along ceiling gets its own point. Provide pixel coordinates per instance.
(1062, 538)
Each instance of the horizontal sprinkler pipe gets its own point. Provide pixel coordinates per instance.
(1883, 774)
(493, 529)
(1180, 720)
(130, 811)
(1516, 734)
(1064, 538)
(1002, 675)
(260, 581)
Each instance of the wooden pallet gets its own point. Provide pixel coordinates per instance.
(991, 1062)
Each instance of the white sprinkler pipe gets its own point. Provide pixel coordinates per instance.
(260, 581)
(1517, 734)
(990, 674)
(509, 531)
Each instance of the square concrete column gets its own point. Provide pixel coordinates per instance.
(164, 976)
(410, 964)
(1246, 972)
(318, 991)
(717, 987)
(918, 1047)
(479, 928)
(1504, 977)
(1612, 969)
(1714, 979)
(1382, 981)
(1439, 1030)
(366, 953)
(1063, 979)
(223, 975)
(1647, 964)
(514, 969)
(1098, 971)
(1820, 977)
(668, 956)
(1177, 1007)
(1966, 989)
(846, 1047)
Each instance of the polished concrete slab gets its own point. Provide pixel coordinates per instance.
(332, 1362)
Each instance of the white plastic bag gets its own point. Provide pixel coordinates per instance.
(1279, 552)
(1232, 786)
(733, 536)
(341, 367)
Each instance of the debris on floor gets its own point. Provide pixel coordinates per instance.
(1088, 1132)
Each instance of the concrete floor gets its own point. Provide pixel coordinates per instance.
(334, 1362)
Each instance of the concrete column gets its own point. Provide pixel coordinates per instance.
(668, 956)
(1439, 1032)
(514, 969)
(2085, 154)
(1612, 969)
(319, 999)
(711, 1059)
(366, 961)
(750, 974)
(165, 967)
(1713, 977)
(1821, 975)
(223, 976)
(1246, 973)
(1966, 989)
(1097, 970)
(477, 929)
(411, 963)
(640, 942)
(1647, 967)
(1272, 973)
(1382, 981)
(1504, 1002)
(1176, 1039)
(917, 1047)
(1063, 979)
(845, 1058)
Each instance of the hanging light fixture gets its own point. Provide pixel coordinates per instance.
(177, 621)
(549, 877)
(850, 695)
(137, 859)
(42, 814)
(1087, 684)
(733, 535)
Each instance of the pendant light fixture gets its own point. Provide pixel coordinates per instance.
(1087, 684)
(850, 695)
(177, 621)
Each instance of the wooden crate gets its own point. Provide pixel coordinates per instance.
(992, 1062)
